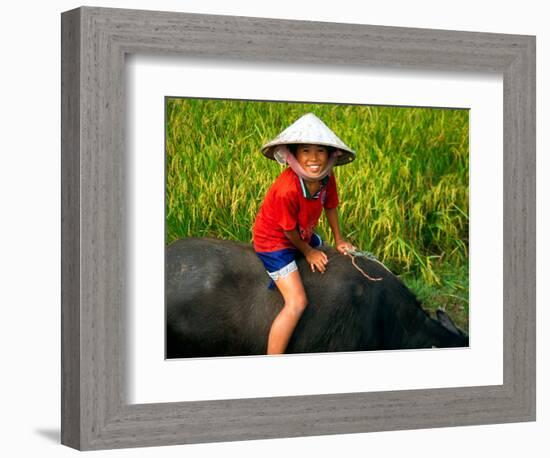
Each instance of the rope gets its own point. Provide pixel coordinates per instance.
(365, 254)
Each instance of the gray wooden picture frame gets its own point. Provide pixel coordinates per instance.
(95, 412)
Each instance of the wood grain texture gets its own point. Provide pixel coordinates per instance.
(70, 229)
(95, 411)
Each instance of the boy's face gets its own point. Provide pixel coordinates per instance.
(312, 158)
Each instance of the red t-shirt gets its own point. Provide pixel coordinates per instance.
(285, 208)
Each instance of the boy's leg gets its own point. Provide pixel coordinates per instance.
(294, 295)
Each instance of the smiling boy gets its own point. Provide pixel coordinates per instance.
(290, 212)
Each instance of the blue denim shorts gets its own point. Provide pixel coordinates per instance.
(280, 263)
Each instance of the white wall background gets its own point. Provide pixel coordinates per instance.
(30, 229)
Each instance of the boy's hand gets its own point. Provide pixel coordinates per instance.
(317, 260)
(343, 247)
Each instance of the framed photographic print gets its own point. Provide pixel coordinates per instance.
(163, 181)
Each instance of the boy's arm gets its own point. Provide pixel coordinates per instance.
(341, 245)
(294, 237)
(332, 217)
(315, 258)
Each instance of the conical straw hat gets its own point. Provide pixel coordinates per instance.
(309, 129)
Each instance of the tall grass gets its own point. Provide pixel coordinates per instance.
(405, 197)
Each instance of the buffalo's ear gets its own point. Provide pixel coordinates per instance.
(447, 323)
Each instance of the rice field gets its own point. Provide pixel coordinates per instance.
(404, 198)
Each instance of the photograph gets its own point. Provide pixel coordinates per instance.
(295, 227)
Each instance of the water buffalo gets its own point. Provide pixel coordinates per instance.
(218, 304)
